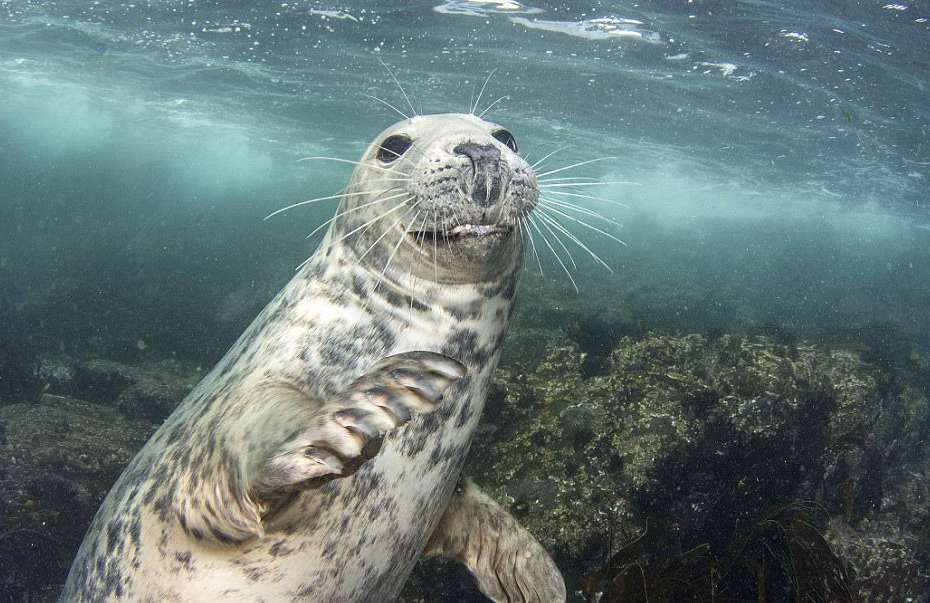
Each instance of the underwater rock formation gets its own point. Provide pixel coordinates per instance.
(673, 453)
(150, 391)
(695, 441)
(61, 456)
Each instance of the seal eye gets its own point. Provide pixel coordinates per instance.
(506, 138)
(392, 148)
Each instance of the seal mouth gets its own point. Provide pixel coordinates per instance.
(461, 233)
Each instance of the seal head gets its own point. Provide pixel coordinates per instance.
(456, 190)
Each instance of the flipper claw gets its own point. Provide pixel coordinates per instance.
(338, 435)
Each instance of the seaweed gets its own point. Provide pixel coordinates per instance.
(633, 574)
(784, 557)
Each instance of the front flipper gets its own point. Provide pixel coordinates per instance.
(335, 437)
(276, 440)
(509, 565)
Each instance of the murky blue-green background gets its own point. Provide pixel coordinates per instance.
(776, 155)
(780, 151)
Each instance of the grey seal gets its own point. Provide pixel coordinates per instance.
(322, 456)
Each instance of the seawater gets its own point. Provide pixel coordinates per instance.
(764, 163)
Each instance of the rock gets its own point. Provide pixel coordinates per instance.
(61, 455)
(888, 546)
(149, 391)
(684, 447)
(102, 380)
(696, 441)
(57, 373)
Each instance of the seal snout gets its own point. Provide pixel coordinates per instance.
(486, 174)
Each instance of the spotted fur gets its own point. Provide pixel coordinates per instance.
(184, 521)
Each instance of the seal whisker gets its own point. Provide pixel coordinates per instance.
(349, 161)
(456, 220)
(558, 259)
(327, 198)
(600, 183)
(578, 208)
(304, 263)
(385, 233)
(418, 239)
(368, 223)
(574, 165)
(519, 223)
(403, 156)
(491, 106)
(445, 236)
(539, 162)
(564, 178)
(404, 153)
(405, 201)
(558, 225)
(533, 245)
(400, 241)
(583, 223)
(421, 236)
(500, 216)
(579, 195)
(396, 81)
(592, 197)
(339, 214)
(558, 240)
(474, 106)
(435, 249)
(389, 105)
(321, 226)
(459, 216)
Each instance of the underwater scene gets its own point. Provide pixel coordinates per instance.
(466, 300)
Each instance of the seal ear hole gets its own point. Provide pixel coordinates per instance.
(393, 147)
(506, 138)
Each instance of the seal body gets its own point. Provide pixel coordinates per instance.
(209, 511)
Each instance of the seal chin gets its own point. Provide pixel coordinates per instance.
(467, 253)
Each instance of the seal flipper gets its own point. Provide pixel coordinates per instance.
(509, 565)
(335, 438)
(302, 439)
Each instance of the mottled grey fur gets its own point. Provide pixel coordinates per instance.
(215, 506)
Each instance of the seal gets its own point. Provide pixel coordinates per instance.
(323, 454)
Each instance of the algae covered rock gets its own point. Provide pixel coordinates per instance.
(674, 454)
(149, 391)
(695, 441)
(61, 456)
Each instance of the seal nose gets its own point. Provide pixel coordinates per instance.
(478, 153)
(486, 171)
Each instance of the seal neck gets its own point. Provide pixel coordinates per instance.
(416, 289)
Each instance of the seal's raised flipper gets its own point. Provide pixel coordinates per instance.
(509, 565)
(338, 432)
(302, 439)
